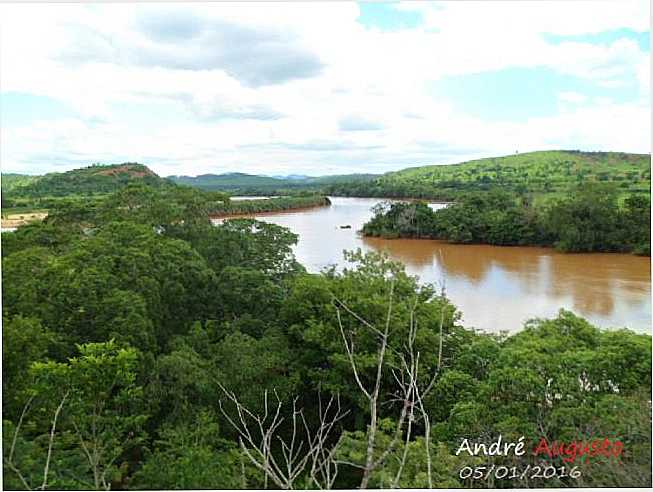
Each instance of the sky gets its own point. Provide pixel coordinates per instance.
(318, 88)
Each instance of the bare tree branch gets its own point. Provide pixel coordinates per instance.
(302, 447)
(18, 426)
(46, 469)
(349, 348)
(410, 392)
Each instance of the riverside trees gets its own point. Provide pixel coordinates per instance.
(590, 219)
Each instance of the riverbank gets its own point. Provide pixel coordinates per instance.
(247, 215)
(240, 208)
(235, 208)
(592, 220)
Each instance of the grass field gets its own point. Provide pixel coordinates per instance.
(534, 172)
(16, 219)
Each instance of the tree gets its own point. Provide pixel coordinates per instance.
(191, 455)
(637, 223)
(24, 341)
(98, 404)
(247, 242)
(587, 221)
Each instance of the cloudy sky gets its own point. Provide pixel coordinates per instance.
(318, 88)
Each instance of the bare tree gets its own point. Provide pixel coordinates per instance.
(284, 459)
(372, 395)
(9, 460)
(410, 392)
(409, 382)
(46, 469)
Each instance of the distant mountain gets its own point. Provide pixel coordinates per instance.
(295, 177)
(90, 180)
(343, 178)
(229, 181)
(251, 182)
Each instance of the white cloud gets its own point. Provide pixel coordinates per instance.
(572, 97)
(552, 16)
(292, 86)
(357, 123)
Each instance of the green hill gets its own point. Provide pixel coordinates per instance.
(13, 180)
(92, 180)
(544, 172)
(96, 181)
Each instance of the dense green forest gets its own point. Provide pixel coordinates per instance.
(145, 348)
(588, 219)
(538, 173)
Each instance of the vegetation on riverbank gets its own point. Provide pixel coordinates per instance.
(276, 204)
(590, 219)
(136, 335)
(34, 195)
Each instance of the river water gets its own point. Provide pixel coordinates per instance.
(496, 288)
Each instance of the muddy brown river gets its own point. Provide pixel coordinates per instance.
(496, 288)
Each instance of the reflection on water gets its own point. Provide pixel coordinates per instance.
(496, 288)
(500, 287)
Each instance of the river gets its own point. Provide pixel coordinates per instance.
(496, 288)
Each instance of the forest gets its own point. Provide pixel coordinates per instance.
(146, 348)
(588, 219)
